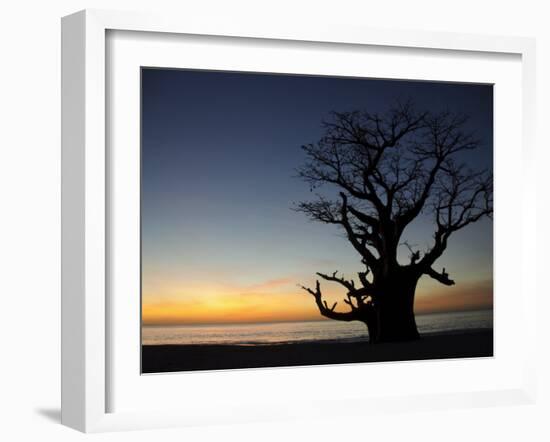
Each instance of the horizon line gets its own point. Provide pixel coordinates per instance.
(283, 321)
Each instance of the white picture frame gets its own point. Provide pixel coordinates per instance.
(86, 202)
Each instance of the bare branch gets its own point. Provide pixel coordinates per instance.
(463, 198)
(414, 254)
(367, 255)
(442, 277)
(349, 284)
(325, 310)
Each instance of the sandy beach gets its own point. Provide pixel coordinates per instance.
(173, 358)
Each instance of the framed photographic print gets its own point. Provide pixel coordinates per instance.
(249, 212)
(396, 171)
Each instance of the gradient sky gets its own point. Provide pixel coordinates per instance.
(220, 242)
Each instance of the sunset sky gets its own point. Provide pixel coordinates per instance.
(220, 242)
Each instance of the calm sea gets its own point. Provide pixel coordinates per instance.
(282, 332)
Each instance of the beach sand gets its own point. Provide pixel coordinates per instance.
(171, 358)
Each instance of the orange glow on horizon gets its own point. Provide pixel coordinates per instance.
(282, 300)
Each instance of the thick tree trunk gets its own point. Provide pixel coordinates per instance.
(395, 319)
(373, 330)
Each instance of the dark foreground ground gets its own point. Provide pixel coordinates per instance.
(166, 358)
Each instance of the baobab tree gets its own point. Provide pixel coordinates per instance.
(383, 171)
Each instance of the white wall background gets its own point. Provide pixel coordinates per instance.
(30, 217)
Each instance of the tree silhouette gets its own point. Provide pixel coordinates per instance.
(384, 170)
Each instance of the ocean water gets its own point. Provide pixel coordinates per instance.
(287, 332)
